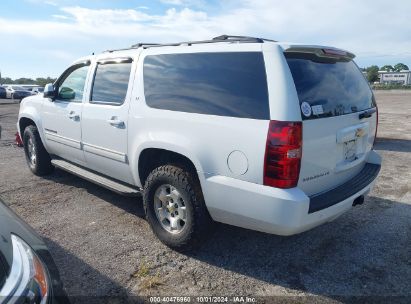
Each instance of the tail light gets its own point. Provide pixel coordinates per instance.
(283, 154)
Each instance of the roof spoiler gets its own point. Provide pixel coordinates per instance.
(327, 52)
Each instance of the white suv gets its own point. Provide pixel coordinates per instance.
(259, 134)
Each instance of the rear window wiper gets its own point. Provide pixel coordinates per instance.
(367, 113)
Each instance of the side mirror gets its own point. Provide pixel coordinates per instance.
(67, 93)
(49, 91)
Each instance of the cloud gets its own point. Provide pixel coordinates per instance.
(48, 2)
(63, 17)
(173, 2)
(185, 3)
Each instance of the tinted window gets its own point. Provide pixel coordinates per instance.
(72, 86)
(226, 84)
(111, 83)
(336, 87)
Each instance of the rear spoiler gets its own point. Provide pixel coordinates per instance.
(327, 52)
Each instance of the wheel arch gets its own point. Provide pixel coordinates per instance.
(29, 118)
(152, 157)
(24, 122)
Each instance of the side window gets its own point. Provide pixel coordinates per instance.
(71, 87)
(111, 83)
(226, 84)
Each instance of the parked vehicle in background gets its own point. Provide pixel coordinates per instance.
(28, 273)
(17, 92)
(3, 93)
(37, 90)
(264, 135)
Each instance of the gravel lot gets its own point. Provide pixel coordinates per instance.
(104, 247)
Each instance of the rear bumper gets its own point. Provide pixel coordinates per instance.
(280, 211)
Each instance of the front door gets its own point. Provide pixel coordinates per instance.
(105, 125)
(62, 116)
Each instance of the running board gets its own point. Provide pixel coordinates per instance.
(96, 178)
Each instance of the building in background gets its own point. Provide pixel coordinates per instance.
(403, 77)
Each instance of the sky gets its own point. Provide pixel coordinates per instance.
(40, 38)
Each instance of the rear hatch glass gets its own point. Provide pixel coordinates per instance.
(330, 86)
(336, 139)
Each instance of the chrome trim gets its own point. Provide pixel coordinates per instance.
(63, 140)
(82, 62)
(108, 153)
(23, 271)
(16, 273)
(115, 60)
(108, 103)
(51, 131)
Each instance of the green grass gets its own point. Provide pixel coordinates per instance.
(147, 279)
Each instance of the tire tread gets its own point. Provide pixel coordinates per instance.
(202, 220)
(44, 165)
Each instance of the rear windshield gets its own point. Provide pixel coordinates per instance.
(328, 87)
(226, 84)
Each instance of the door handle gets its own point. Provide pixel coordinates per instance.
(72, 115)
(367, 113)
(115, 122)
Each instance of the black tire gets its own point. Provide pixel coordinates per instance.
(42, 164)
(198, 223)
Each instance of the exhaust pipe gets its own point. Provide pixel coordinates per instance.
(358, 201)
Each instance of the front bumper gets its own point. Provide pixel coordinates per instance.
(274, 210)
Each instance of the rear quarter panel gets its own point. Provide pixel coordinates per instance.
(283, 98)
(207, 140)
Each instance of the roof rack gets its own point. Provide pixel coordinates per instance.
(134, 46)
(142, 44)
(237, 39)
(221, 38)
(241, 39)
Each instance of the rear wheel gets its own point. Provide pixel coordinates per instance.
(37, 158)
(175, 207)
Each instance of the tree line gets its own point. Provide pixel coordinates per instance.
(38, 81)
(372, 71)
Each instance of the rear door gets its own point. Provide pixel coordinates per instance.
(105, 118)
(339, 118)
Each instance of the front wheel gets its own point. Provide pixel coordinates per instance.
(175, 207)
(37, 157)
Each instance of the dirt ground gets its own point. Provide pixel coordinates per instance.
(104, 247)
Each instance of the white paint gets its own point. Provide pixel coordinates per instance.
(227, 152)
(237, 162)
